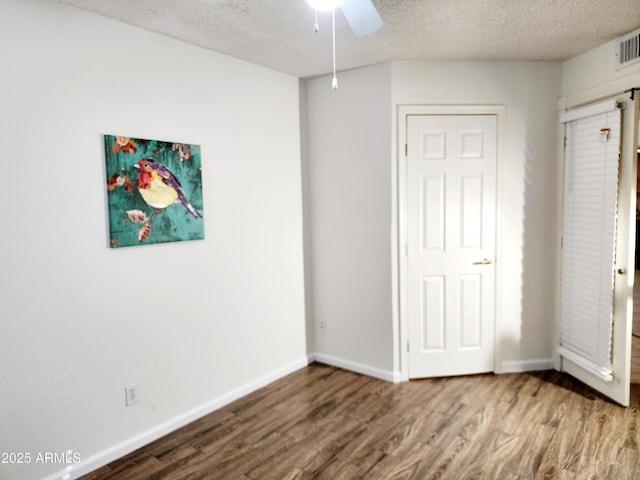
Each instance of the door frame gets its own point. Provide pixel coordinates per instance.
(403, 111)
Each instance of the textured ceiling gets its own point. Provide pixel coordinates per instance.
(279, 33)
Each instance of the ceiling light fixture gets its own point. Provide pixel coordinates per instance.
(325, 6)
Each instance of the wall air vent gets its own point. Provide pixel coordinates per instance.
(628, 50)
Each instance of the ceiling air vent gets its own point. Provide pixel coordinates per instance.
(628, 52)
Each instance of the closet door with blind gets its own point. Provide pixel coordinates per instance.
(598, 242)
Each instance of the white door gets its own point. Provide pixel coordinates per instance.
(601, 361)
(451, 211)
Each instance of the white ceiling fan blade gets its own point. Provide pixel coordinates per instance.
(362, 16)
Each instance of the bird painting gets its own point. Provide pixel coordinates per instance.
(159, 187)
(144, 180)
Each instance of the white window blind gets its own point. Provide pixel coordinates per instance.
(589, 234)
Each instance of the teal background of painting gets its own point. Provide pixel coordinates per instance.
(172, 224)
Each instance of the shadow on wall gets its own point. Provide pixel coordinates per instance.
(539, 233)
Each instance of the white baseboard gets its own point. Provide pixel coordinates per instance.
(387, 375)
(511, 366)
(113, 453)
(518, 366)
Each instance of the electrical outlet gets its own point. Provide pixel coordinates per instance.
(131, 395)
(322, 325)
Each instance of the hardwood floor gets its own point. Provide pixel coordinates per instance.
(326, 423)
(635, 339)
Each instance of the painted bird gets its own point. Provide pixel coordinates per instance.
(159, 187)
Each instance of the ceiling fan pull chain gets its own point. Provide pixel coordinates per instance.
(334, 81)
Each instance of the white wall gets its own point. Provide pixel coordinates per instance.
(193, 323)
(353, 197)
(527, 182)
(595, 68)
(306, 215)
(349, 147)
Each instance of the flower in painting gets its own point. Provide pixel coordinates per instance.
(124, 144)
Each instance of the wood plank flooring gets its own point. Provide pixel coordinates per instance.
(635, 340)
(326, 423)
